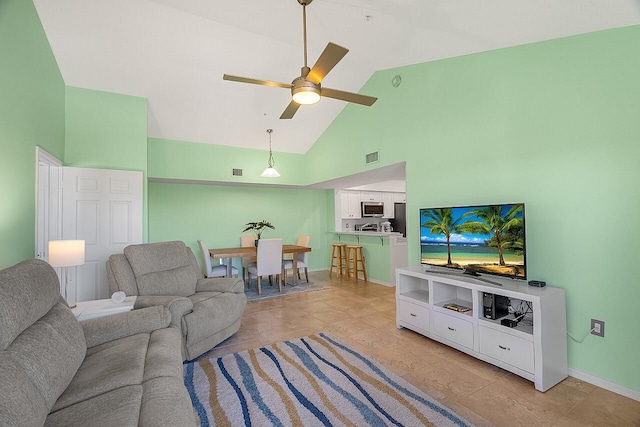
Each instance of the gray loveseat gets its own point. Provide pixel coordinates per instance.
(205, 311)
(121, 370)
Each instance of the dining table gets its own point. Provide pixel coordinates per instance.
(252, 251)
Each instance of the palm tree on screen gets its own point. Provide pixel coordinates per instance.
(440, 221)
(506, 230)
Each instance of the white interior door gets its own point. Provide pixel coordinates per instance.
(48, 203)
(48, 200)
(104, 208)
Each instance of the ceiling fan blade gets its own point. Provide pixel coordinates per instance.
(290, 110)
(348, 96)
(256, 81)
(330, 56)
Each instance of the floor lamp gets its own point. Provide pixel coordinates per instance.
(66, 253)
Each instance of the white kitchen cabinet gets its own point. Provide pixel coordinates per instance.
(535, 349)
(350, 205)
(400, 197)
(370, 196)
(389, 208)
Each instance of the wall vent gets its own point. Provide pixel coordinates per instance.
(236, 172)
(371, 158)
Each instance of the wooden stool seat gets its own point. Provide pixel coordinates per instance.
(338, 259)
(355, 262)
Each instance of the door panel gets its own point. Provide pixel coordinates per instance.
(104, 208)
(121, 213)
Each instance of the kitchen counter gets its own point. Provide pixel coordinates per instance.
(383, 252)
(370, 233)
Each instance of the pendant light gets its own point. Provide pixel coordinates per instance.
(270, 171)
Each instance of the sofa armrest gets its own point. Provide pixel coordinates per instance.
(220, 284)
(178, 306)
(105, 329)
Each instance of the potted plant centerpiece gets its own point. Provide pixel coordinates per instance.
(258, 228)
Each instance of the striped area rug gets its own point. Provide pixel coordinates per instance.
(316, 380)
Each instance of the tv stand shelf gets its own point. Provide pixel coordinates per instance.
(525, 350)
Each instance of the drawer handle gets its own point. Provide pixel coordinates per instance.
(504, 348)
(451, 329)
(411, 314)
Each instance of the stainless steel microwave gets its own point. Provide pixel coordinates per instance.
(375, 209)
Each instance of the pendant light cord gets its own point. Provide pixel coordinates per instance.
(270, 163)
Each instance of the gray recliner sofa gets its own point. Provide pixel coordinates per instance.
(121, 370)
(206, 311)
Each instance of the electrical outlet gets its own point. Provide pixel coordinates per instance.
(597, 327)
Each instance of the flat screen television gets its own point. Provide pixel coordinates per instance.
(488, 239)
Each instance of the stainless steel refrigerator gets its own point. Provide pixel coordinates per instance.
(399, 223)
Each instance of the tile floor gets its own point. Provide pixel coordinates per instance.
(363, 316)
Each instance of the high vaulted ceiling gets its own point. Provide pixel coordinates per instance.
(174, 52)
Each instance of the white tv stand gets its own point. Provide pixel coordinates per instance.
(536, 349)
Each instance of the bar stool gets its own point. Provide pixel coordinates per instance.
(338, 258)
(356, 258)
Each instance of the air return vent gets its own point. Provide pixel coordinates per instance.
(236, 172)
(371, 158)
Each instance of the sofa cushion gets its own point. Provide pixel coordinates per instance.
(28, 290)
(120, 407)
(50, 352)
(202, 296)
(107, 367)
(163, 268)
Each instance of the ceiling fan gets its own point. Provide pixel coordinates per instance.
(306, 89)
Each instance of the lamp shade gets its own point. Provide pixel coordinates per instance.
(66, 253)
(270, 173)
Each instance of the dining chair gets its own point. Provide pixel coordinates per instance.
(247, 241)
(210, 269)
(303, 259)
(268, 261)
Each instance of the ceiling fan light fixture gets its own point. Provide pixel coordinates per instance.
(305, 94)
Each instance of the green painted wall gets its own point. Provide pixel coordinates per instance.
(217, 214)
(31, 114)
(552, 124)
(107, 131)
(208, 162)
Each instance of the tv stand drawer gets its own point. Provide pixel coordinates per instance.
(414, 314)
(453, 329)
(507, 348)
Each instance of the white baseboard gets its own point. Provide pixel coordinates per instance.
(378, 282)
(607, 385)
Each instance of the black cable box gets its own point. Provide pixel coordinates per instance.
(509, 322)
(537, 283)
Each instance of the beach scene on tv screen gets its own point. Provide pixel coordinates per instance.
(483, 239)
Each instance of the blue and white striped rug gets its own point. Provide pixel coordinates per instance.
(316, 380)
